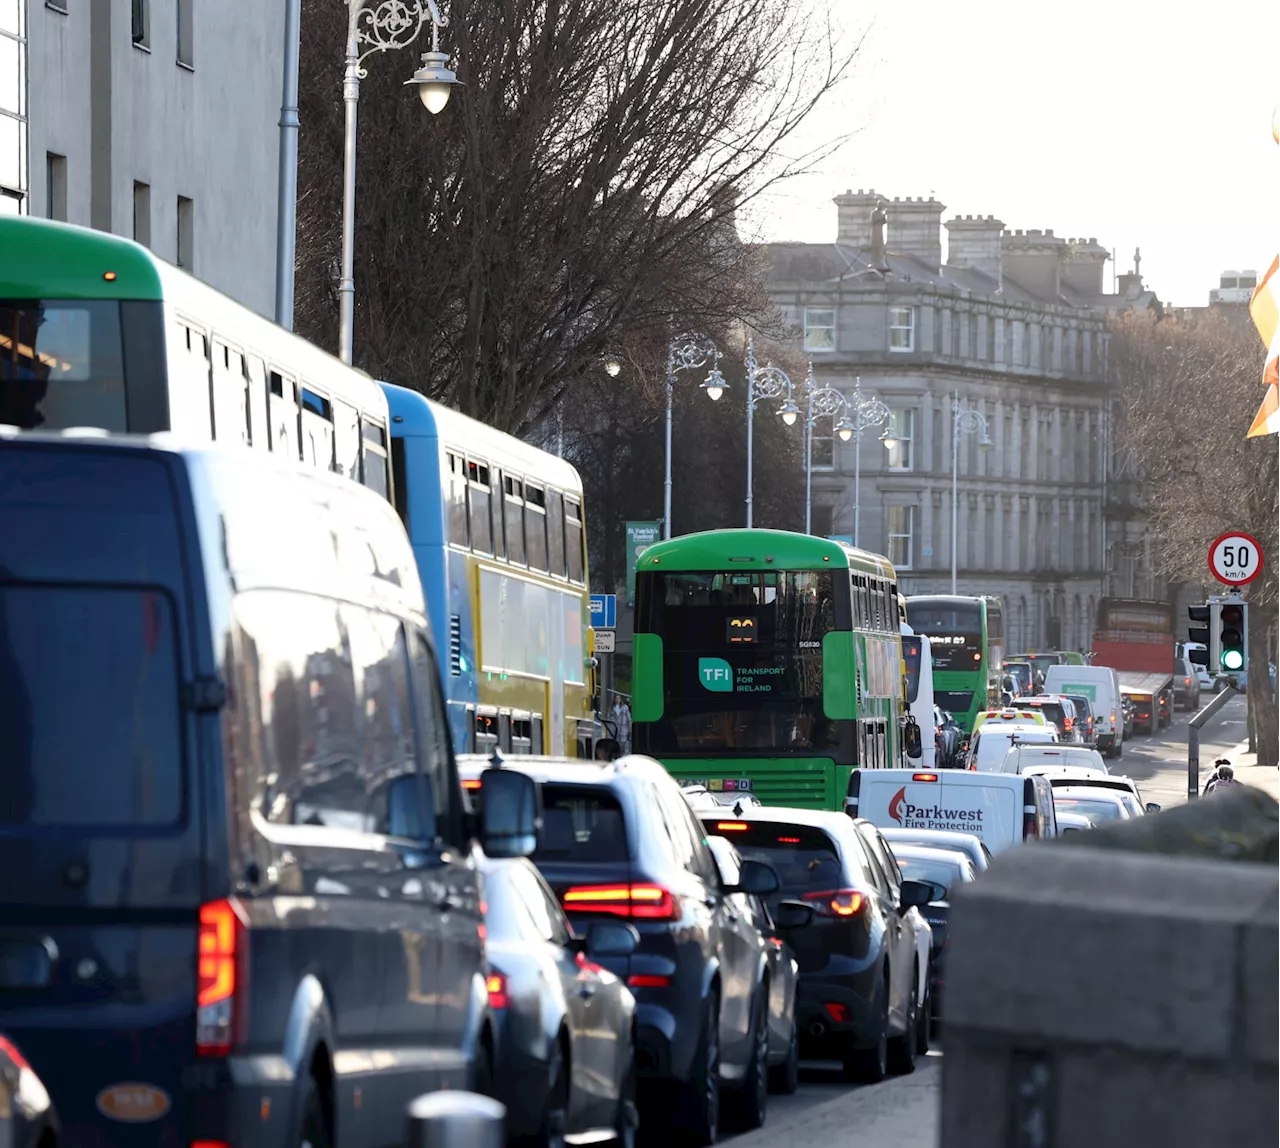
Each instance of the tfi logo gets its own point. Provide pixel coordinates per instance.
(895, 806)
(716, 675)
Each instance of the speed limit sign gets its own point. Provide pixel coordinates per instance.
(1235, 558)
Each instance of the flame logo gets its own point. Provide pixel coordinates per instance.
(895, 806)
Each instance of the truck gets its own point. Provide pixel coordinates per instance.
(1134, 636)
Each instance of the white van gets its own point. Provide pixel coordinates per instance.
(1101, 686)
(992, 742)
(918, 656)
(1003, 809)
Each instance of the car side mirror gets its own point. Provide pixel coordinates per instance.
(1152, 807)
(790, 915)
(611, 939)
(756, 878)
(511, 816)
(915, 895)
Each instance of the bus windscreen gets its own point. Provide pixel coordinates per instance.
(911, 656)
(742, 659)
(954, 631)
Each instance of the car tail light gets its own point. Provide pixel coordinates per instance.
(648, 981)
(836, 1011)
(496, 985)
(1067, 723)
(924, 777)
(731, 826)
(1186, 681)
(639, 902)
(788, 840)
(11, 1051)
(1030, 824)
(221, 994)
(836, 903)
(471, 783)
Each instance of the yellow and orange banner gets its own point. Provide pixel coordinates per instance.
(1264, 310)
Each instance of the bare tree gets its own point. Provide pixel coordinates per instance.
(579, 189)
(1190, 386)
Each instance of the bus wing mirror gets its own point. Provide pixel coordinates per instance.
(911, 739)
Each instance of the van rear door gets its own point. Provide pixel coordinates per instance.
(970, 803)
(100, 842)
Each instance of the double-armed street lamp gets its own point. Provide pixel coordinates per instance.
(687, 352)
(767, 382)
(381, 26)
(965, 420)
(855, 415)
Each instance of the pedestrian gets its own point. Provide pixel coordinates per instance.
(621, 714)
(607, 750)
(1223, 777)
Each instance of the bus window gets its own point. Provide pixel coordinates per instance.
(284, 416)
(535, 733)
(514, 514)
(230, 401)
(555, 532)
(400, 481)
(190, 407)
(374, 438)
(478, 497)
(573, 539)
(535, 528)
(256, 389)
(346, 439)
(486, 727)
(457, 502)
(317, 429)
(495, 511)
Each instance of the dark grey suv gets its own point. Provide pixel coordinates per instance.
(620, 842)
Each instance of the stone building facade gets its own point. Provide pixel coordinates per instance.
(1013, 326)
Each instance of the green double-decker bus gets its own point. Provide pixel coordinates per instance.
(767, 662)
(967, 638)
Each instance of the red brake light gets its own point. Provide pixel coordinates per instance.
(220, 976)
(496, 984)
(788, 840)
(11, 1051)
(730, 826)
(471, 783)
(836, 902)
(647, 981)
(924, 777)
(640, 902)
(1067, 723)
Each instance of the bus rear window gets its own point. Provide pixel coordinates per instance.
(89, 707)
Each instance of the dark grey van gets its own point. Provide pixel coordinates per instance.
(237, 904)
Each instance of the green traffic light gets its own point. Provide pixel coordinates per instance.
(1232, 660)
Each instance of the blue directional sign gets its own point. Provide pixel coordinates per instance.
(604, 611)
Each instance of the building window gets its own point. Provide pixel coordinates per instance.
(823, 521)
(141, 25)
(902, 328)
(902, 521)
(186, 34)
(142, 213)
(55, 186)
(901, 452)
(186, 233)
(819, 329)
(822, 446)
(13, 108)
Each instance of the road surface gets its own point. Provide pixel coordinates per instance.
(903, 1111)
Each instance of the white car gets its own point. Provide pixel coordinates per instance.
(1046, 759)
(1071, 822)
(992, 741)
(1085, 779)
(1099, 805)
(1206, 679)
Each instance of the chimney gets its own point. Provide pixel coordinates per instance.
(878, 219)
(853, 218)
(915, 229)
(973, 243)
(1082, 265)
(1034, 261)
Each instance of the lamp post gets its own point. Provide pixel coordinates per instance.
(965, 420)
(687, 352)
(371, 28)
(867, 412)
(767, 382)
(825, 402)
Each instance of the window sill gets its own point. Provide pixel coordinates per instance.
(901, 350)
(55, 7)
(819, 350)
(185, 66)
(142, 47)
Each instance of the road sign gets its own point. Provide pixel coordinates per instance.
(640, 536)
(1235, 558)
(604, 641)
(604, 611)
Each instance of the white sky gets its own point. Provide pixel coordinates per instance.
(1143, 124)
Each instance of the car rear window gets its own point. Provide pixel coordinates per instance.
(89, 707)
(805, 858)
(944, 873)
(1093, 809)
(581, 824)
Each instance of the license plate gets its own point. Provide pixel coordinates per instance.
(721, 784)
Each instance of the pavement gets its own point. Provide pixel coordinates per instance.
(903, 1112)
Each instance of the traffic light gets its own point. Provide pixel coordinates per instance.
(1199, 633)
(1233, 634)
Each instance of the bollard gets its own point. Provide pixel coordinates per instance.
(456, 1120)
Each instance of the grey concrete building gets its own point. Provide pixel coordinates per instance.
(152, 119)
(1013, 324)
